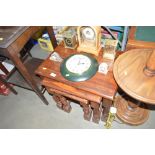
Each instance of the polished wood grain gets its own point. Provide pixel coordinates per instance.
(131, 111)
(56, 98)
(87, 111)
(96, 112)
(105, 107)
(101, 85)
(130, 76)
(62, 102)
(149, 69)
(89, 102)
(54, 90)
(134, 73)
(71, 90)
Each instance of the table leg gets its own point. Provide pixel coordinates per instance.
(7, 85)
(96, 112)
(65, 104)
(87, 111)
(57, 100)
(105, 109)
(22, 69)
(52, 35)
(62, 102)
(2, 67)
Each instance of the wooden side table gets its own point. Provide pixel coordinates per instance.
(93, 91)
(14, 39)
(62, 92)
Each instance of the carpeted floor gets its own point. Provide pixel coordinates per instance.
(26, 110)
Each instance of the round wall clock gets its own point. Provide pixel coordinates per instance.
(79, 67)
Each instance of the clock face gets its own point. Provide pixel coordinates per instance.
(68, 42)
(79, 67)
(78, 64)
(88, 33)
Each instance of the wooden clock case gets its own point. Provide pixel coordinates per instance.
(89, 46)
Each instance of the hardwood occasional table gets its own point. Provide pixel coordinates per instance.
(90, 93)
(134, 72)
(13, 39)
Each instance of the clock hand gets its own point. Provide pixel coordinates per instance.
(79, 62)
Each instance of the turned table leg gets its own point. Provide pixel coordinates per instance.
(57, 100)
(131, 111)
(87, 111)
(96, 112)
(65, 104)
(62, 102)
(105, 109)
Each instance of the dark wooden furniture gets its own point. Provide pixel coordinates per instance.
(143, 42)
(2, 67)
(90, 93)
(14, 39)
(134, 72)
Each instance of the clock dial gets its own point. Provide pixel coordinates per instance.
(78, 64)
(68, 41)
(79, 67)
(88, 33)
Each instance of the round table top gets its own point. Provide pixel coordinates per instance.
(129, 75)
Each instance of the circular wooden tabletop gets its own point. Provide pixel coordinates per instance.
(129, 75)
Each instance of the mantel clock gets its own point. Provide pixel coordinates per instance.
(89, 38)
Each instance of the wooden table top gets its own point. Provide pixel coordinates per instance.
(130, 76)
(100, 84)
(15, 37)
(9, 34)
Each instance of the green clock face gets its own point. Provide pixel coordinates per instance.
(79, 67)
